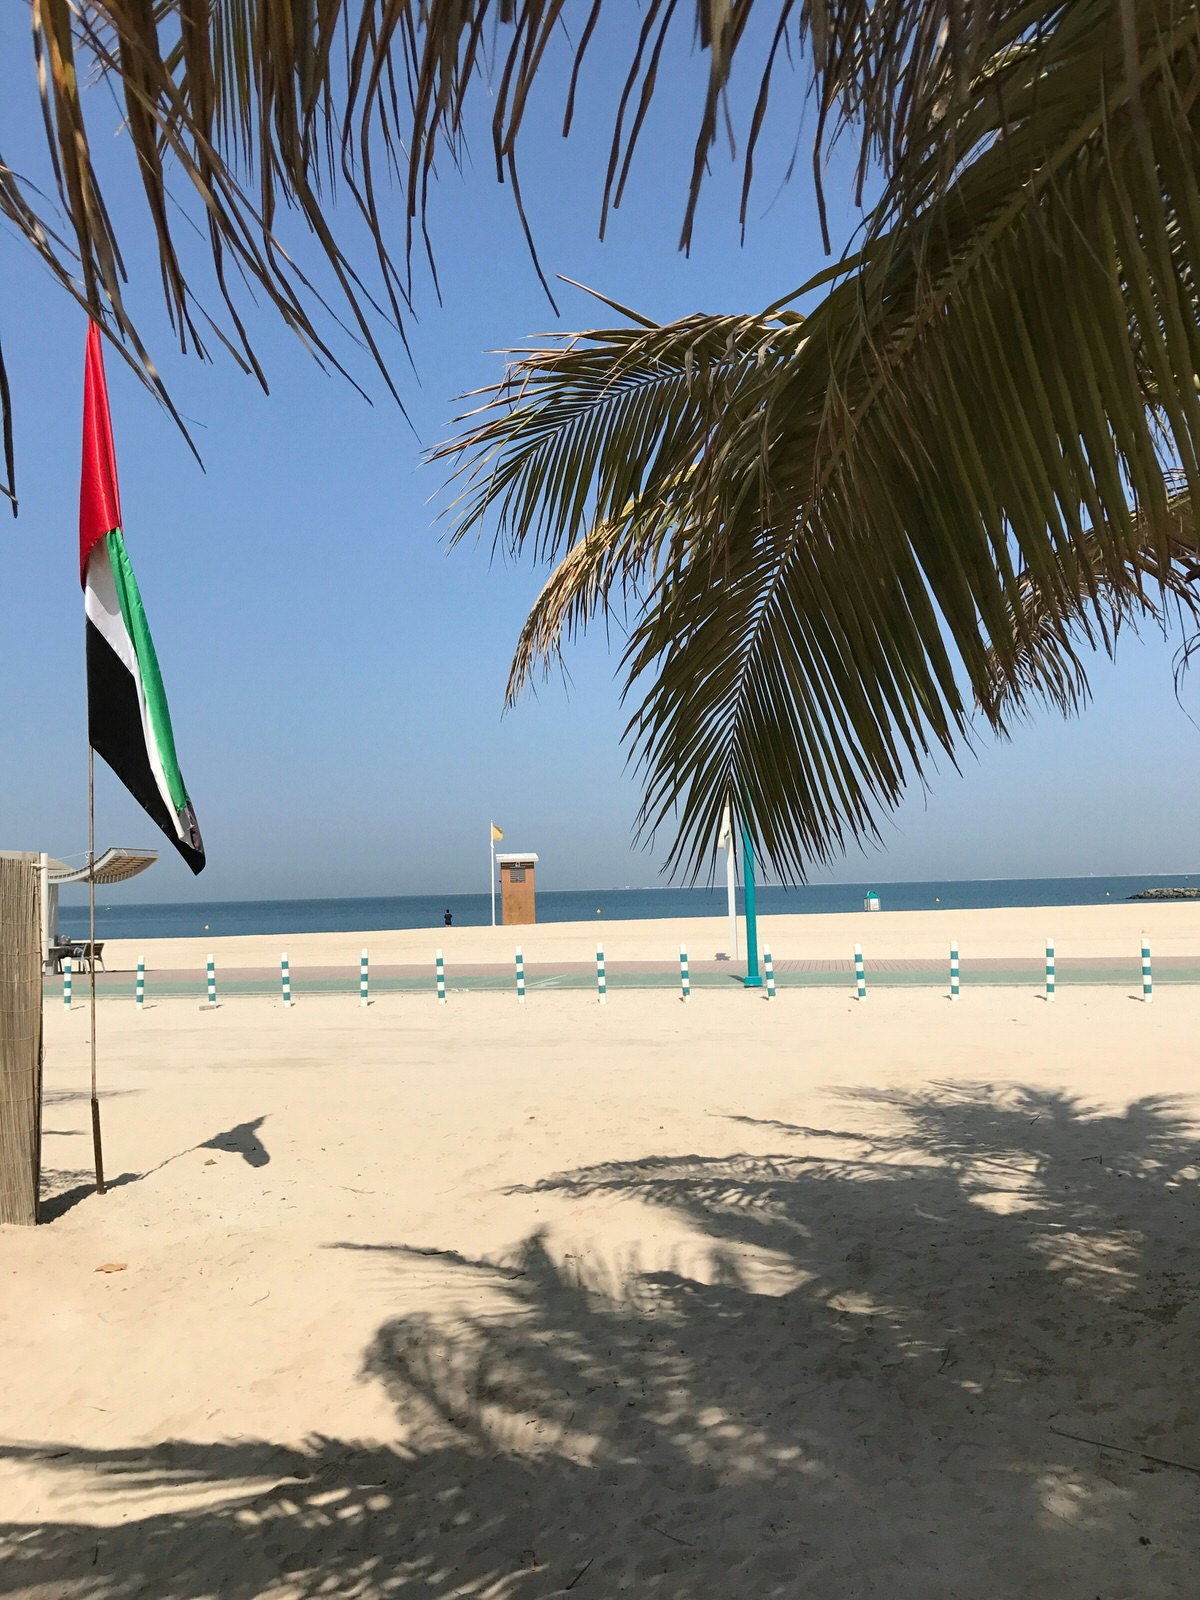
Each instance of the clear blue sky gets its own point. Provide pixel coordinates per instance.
(336, 674)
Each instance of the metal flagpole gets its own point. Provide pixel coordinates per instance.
(96, 1144)
(730, 880)
(492, 859)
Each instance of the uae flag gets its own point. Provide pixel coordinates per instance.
(128, 720)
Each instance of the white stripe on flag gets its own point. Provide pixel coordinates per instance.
(103, 611)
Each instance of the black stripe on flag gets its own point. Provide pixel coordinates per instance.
(115, 733)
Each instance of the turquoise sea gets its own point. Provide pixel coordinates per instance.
(117, 918)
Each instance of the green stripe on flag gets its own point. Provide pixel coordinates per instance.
(134, 616)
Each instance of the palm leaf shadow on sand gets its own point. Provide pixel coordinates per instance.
(848, 1389)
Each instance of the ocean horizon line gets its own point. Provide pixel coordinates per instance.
(864, 882)
(117, 918)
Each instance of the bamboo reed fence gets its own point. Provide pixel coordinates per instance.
(20, 1038)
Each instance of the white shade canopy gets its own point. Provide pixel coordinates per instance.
(113, 865)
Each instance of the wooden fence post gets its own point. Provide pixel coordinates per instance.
(21, 951)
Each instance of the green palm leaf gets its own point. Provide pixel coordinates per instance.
(835, 535)
(239, 113)
(848, 530)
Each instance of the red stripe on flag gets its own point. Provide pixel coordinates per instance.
(99, 501)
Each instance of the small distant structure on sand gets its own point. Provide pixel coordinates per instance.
(517, 903)
(114, 865)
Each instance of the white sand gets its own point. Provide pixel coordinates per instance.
(719, 1302)
(1109, 930)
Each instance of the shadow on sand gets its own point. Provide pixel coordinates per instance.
(62, 1191)
(242, 1140)
(56, 1205)
(855, 1395)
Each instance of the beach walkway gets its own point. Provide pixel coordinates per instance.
(411, 977)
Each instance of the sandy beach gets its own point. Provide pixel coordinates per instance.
(1110, 930)
(691, 1302)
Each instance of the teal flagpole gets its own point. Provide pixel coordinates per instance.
(753, 979)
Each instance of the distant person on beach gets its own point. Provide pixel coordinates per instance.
(448, 919)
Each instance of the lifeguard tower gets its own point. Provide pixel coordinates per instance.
(517, 903)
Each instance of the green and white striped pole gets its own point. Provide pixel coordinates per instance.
(285, 978)
(362, 979)
(860, 973)
(1147, 976)
(685, 983)
(212, 981)
(67, 982)
(139, 988)
(520, 977)
(954, 971)
(769, 974)
(601, 984)
(440, 969)
(1049, 969)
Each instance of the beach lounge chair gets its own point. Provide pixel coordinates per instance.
(85, 953)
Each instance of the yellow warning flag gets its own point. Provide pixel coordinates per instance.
(497, 833)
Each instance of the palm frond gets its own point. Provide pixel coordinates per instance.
(1038, 629)
(239, 114)
(934, 491)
